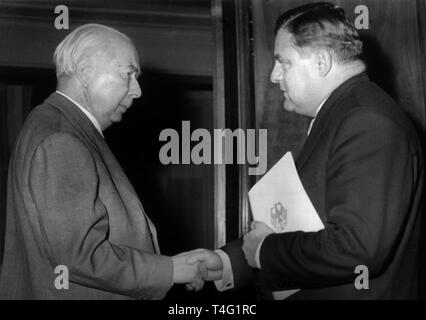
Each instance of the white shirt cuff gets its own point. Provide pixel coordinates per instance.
(257, 254)
(227, 281)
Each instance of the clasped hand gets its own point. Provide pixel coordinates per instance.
(196, 266)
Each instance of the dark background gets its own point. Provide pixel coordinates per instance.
(180, 43)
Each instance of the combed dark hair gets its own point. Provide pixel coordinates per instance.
(322, 25)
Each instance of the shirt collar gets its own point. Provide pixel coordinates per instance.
(320, 106)
(87, 113)
(316, 114)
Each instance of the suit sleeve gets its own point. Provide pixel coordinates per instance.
(371, 173)
(241, 271)
(74, 225)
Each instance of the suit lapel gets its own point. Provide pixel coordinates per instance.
(75, 116)
(324, 117)
(118, 174)
(92, 135)
(153, 232)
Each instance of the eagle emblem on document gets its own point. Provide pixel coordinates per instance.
(279, 217)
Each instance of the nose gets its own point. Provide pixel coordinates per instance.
(135, 90)
(277, 73)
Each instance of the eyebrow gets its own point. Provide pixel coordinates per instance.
(135, 69)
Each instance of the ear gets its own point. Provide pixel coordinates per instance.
(324, 62)
(84, 71)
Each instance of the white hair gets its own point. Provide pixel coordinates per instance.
(83, 41)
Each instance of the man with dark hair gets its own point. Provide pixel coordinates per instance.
(322, 25)
(361, 166)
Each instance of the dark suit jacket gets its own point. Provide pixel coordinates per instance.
(70, 203)
(362, 168)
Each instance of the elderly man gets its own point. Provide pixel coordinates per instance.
(361, 166)
(69, 202)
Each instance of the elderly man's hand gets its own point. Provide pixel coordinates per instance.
(183, 272)
(207, 259)
(258, 232)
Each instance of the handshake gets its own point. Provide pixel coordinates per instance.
(195, 267)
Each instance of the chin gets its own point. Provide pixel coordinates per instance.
(288, 107)
(116, 118)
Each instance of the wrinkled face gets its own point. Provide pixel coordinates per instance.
(113, 83)
(296, 75)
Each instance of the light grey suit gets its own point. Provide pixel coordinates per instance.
(70, 203)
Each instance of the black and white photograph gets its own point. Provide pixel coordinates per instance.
(212, 154)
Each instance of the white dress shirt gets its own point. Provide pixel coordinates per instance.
(227, 281)
(87, 113)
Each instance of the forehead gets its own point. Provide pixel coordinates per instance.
(283, 44)
(125, 55)
(128, 61)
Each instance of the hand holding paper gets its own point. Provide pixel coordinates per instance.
(252, 239)
(279, 200)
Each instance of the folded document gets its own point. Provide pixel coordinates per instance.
(279, 200)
